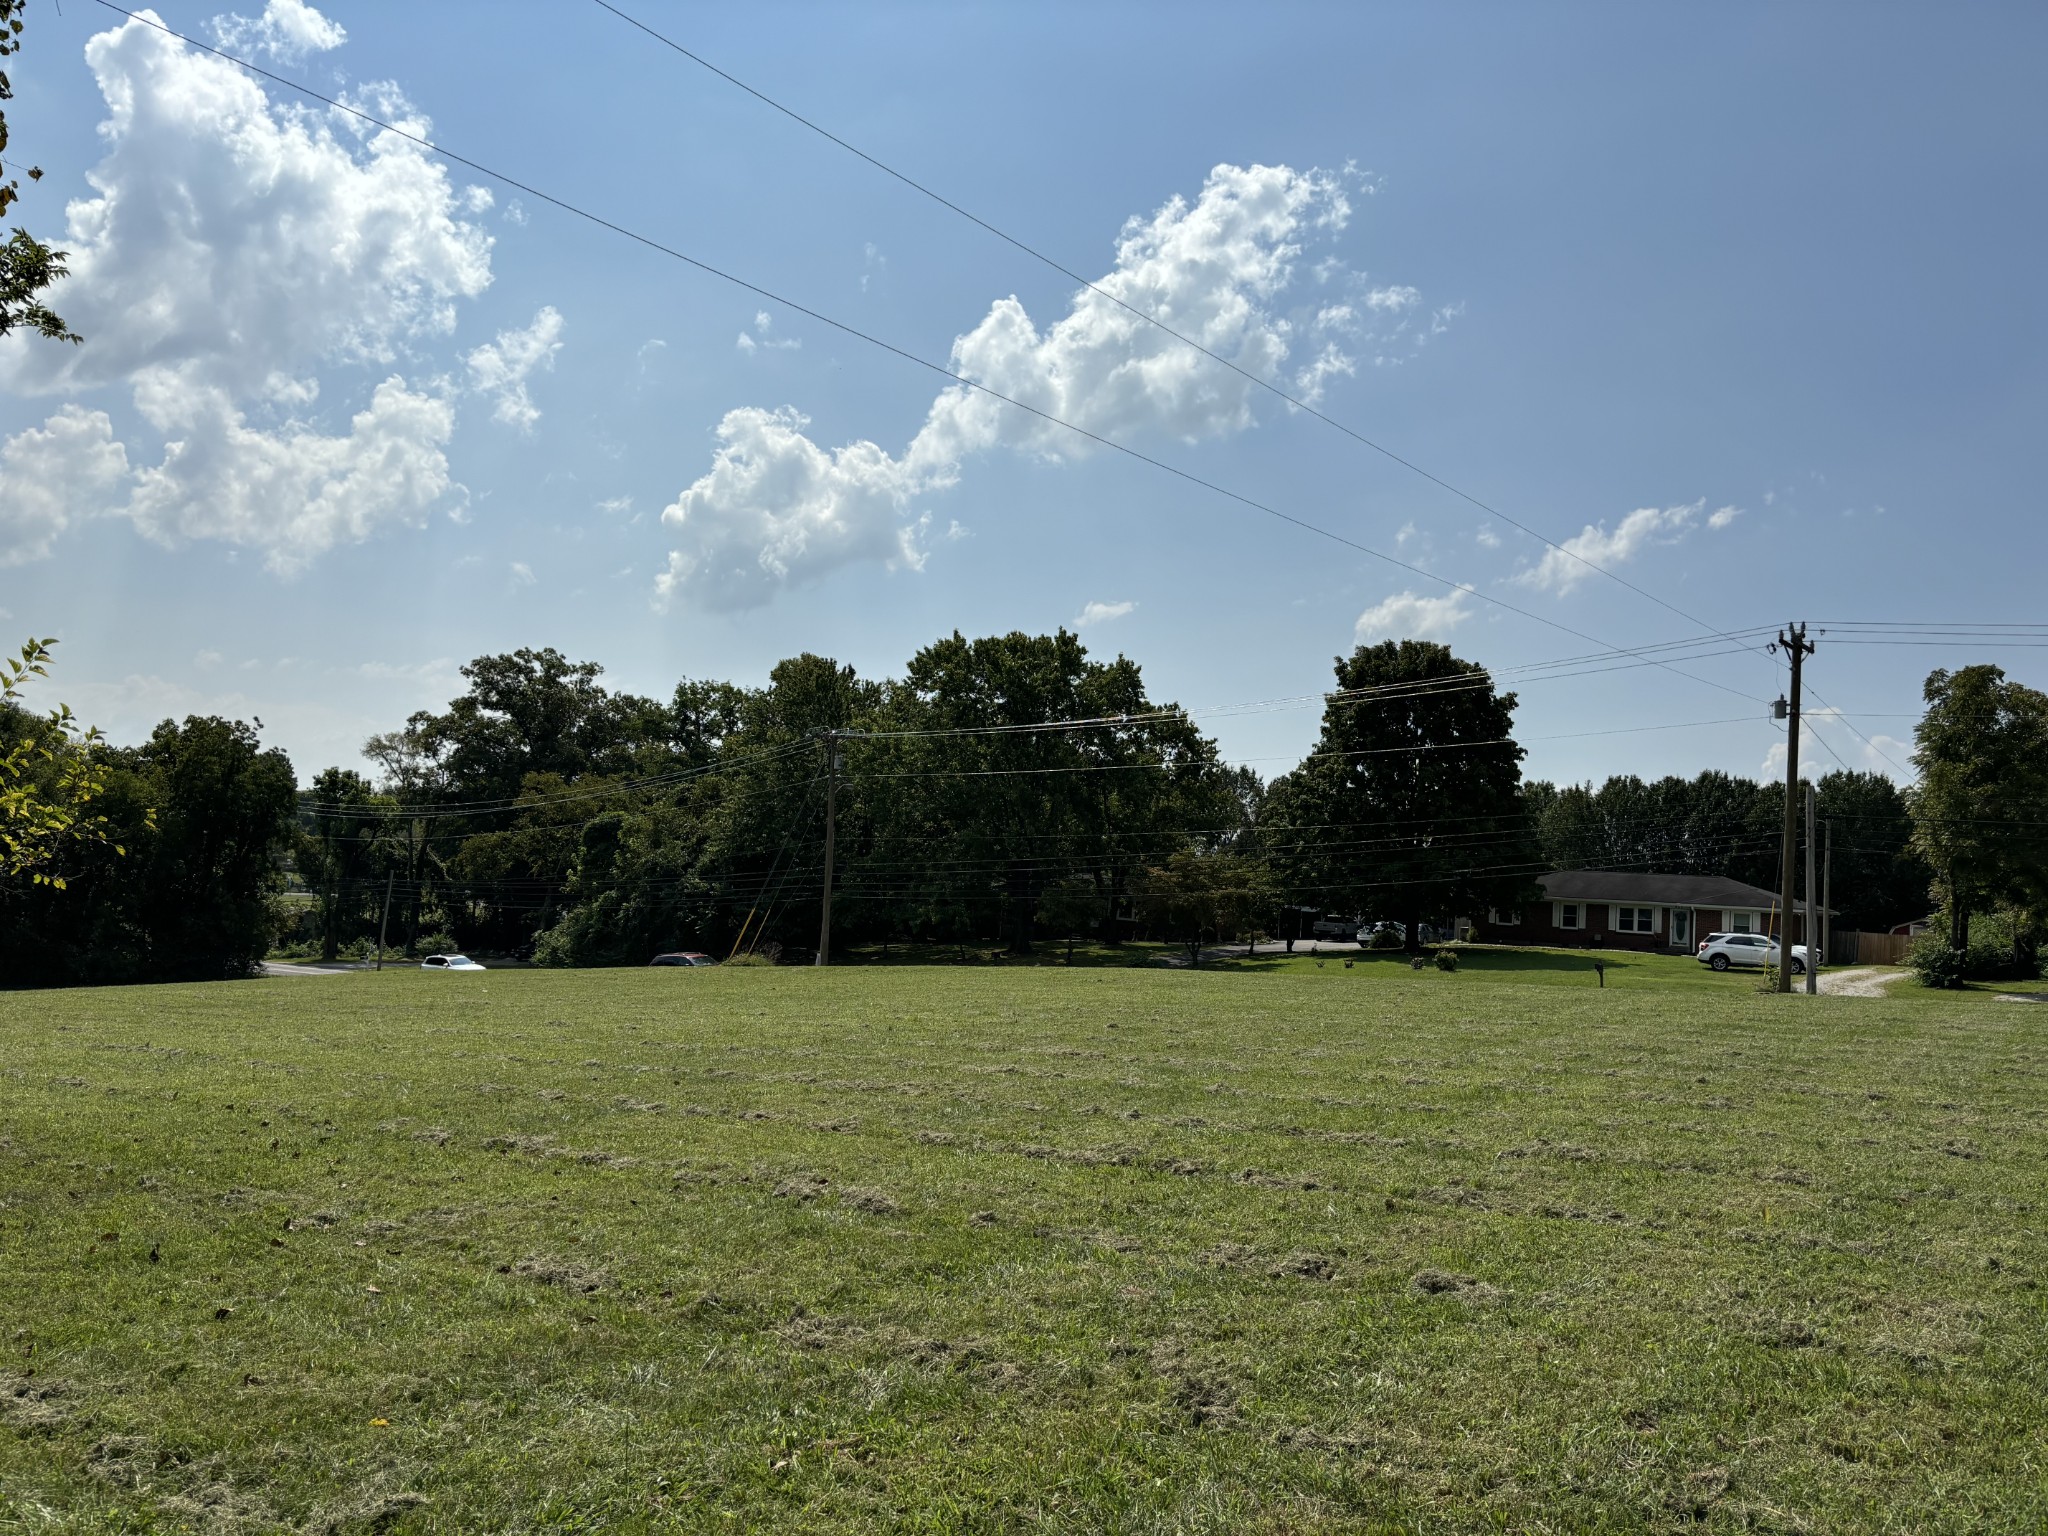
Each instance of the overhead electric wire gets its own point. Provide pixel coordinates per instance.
(1966, 631)
(1832, 714)
(1407, 689)
(908, 356)
(1293, 400)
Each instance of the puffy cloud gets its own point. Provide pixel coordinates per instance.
(1393, 300)
(776, 508)
(240, 239)
(1563, 568)
(1102, 613)
(287, 30)
(67, 468)
(1405, 616)
(1722, 517)
(230, 246)
(501, 367)
(293, 492)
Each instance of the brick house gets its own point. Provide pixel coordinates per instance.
(1595, 908)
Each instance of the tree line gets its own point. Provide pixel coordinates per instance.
(1008, 790)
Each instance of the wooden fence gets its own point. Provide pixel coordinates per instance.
(1847, 947)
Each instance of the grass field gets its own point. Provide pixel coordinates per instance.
(1002, 1249)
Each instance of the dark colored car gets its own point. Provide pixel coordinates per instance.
(683, 957)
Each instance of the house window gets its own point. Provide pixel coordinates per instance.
(1636, 919)
(1739, 922)
(1499, 919)
(1568, 915)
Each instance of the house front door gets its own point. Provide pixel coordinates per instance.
(1681, 928)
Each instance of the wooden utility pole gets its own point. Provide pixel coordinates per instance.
(1811, 929)
(1792, 640)
(385, 921)
(1827, 892)
(831, 834)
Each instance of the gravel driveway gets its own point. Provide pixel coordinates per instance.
(1868, 981)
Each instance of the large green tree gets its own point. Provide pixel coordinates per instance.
(1410, 806)
(207, 817)
(1880, 878)
(1031, 765)
(1980, 810)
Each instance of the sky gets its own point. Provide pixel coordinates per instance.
(1741, 305)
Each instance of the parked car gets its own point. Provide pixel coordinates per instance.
(1335, 928)
(1425, 933)
(683, 957)
(449, 963)
(1723, 951)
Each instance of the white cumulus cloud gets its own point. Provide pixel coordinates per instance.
(230, 248)
(775, 508)
(500, 368)
(287, 31)
(292, 492)
(50, 474)
(1721, 517)
(1407, 616)
(1102, 613)
(1563, 568)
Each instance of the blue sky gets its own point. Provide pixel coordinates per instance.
(1744, 300)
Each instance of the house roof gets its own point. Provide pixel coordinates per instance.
(1655, 890)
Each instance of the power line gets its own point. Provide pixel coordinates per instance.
(908, 356)
(1295, 401)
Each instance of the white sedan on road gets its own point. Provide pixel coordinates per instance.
(449, 963)
(1724, 951)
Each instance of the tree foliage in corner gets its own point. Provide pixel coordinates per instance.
(27, 266)
(49, 778)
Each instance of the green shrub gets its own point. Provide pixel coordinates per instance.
(753, 958)
(1938, 963)
(1447, 959)
(2003, 947)
(1419, 963)
(442, 943)
(1386, 938)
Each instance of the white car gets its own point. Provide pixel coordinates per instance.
(1723, 951)
(449, 963)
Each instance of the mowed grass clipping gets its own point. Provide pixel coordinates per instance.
(1018, 1250)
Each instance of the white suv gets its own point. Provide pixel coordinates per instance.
(1724, 950)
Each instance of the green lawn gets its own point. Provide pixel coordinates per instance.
(989, 1248)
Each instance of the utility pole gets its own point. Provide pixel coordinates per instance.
(1827, 892)
(1812, 925)
(831, 834)
(385, 921)
(1792, 640)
